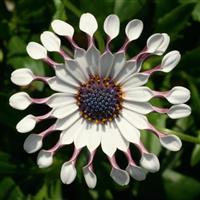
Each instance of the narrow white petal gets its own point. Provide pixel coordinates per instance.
(44, 159)
(94, 137)
(178, 95)
(63, 111)
(62, 28)
(154, 42)
(129, 68)
(75, 70)
(139, 107)
(68, 173)
(105, 65)
(93, 57)
(137, 120)
(179, 111)
(136, 172)
(20, 100)
(111, 26)
(108, 143)
(82, 138)
(26, 124)
(129, 132)
(171, 142)
(22, 77)
(50, 41)
(36, 51)
(88, 24)
(62, 124)
(135, 80)
(121, 143)
(59, 99)
(60, 86)
(33, 143)
(118, 64)
(90, 177)
(120, 176)
(68, 135)
(165, 43)
(65, 76)
(150, 162)
(170, 61)
(134, 29)
(138, 94)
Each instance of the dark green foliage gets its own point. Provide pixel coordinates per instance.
(179, 177)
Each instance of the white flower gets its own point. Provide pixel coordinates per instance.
(100, 99)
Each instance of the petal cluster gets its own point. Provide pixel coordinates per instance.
(120, 132)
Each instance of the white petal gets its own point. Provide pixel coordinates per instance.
(62, 124)
(68, 173)
(33, 143)
(129, 132)
(165, 43)
(59, 99)
(68, 135)
(22, 77)
(120, 176)
(60, 86)
(36, 51)
(139, 94)
(62, 28)
(64, 111)
(179, 111)
(121, 143)
(108, 143)
(136, 119)
(50, 41)
(88, 24)
(134, 29)
(135, 80)
(128, 70)
(178, 95)
(139, 107)
(118, 64)
(92, 57)
(65, 76)
(90, 177)
(150, 162)
(20, 100)
(105, 65)
(26, 124)
(136, 172)
(44, 159)
(82, 138)
(111, 26)
(171, 142)
(170, 61)
(75, 70)
(154, 42)
(94, 137)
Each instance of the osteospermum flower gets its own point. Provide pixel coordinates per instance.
(100, 99)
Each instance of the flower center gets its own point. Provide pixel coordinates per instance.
(99, 99)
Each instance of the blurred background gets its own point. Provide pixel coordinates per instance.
(22, 21)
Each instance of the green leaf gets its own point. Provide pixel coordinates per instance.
(10, 190)
(195, 159)
(175, 21)
(60, 10)
(180, 187)
(196, 12)
(126, 9)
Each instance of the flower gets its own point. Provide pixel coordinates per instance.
(100, 99)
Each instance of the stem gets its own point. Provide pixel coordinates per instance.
(78, 13)
(183, 136)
